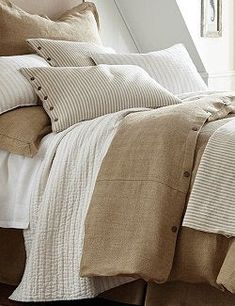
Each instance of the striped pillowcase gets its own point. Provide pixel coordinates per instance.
(59, 53)
(70, 95)
(15, 90)
(172, 68)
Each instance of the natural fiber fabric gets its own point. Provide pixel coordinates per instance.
(66, 53)
(172, 68)
(16, 25)
(186, 294)
(60, 198)
(15, 90)
(214, 211)
(21, 130)
(71, 95)
(141, 192)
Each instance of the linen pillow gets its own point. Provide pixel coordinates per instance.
(72, 94)
(172, 68)
(16, 25)
(21, 130)
(15, 91)
(67, 53)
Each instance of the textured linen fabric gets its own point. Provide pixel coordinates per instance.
(70, 95)
(183, 294)
(62, 191)
(214, 211)
(172, 68)
(66, 53)
(141, 191)
(16, 25)
(21, 130)
(15, 90)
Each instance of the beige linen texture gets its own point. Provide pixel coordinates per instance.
(139, 201)
(77, 24)
(21, 130)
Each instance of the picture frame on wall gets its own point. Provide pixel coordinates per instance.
(211, 19)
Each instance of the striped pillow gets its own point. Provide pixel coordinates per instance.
(172, 68)
(70, 95)
(15, 90)
(66, 53)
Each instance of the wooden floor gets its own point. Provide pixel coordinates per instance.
(5, 291)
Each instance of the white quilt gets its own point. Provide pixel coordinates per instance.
(62, 192)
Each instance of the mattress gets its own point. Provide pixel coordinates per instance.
(16, 185)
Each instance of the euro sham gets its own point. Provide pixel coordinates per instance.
(172, 68)
(15, 90)
(71, 95)
(66, 53)
(21, 130)
(16, 25)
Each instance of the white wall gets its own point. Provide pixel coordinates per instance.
(217, 54)
(114, 32)
(158, 24)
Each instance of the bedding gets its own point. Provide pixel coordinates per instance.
(21, 130)
(67, 101)
(140, 197)
(66, 53)
(54, 217)
(15, 90)
(16, 184)
(77, 24)
(54, 239)
(214, 211)
(172, 68)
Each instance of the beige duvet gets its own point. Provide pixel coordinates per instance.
(140, 195)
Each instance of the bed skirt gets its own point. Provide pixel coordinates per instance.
(136, 293)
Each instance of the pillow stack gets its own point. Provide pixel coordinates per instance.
(23, 121)
(86, 80)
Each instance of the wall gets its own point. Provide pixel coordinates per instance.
(114, 32)
(217, 54)
(158, 24)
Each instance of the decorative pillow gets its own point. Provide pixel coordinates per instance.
(66, 53)
(15, 90)
(21, 130)
(71, 94)
(172, 68)
(16, 25)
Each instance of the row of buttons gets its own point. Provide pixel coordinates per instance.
(187, 174)
(45, 98)
(48, 59)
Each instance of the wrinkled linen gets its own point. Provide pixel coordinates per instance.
(16, 184)
(62, 192)
(139, 200)
(214, 211)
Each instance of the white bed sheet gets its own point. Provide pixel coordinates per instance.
(16, 184)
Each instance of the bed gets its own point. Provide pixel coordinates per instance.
(196, 253)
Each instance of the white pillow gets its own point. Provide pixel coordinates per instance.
(172, 68)
(66, 53)
(15, 90)
(70, 95)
